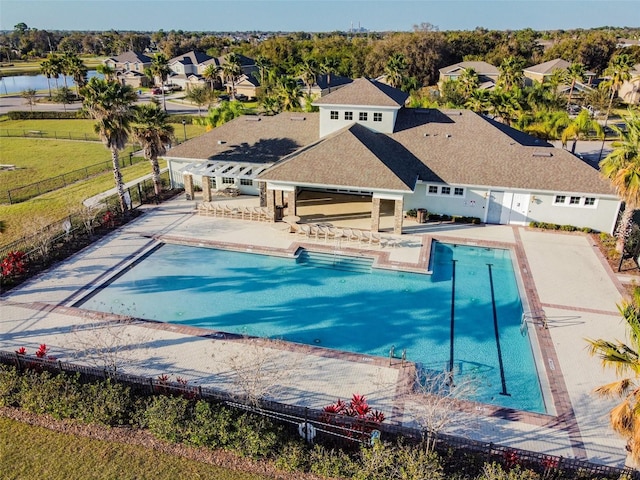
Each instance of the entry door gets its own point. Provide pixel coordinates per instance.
(519, 209)
(494, 210)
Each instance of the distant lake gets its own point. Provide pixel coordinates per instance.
(18, 83)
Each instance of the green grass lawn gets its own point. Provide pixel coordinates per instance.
(34, 452)
(21, 218)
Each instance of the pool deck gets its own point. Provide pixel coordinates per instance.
(562, 274)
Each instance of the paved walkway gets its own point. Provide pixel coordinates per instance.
(563, 274)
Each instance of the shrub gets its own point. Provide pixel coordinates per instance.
(26, 115)
(9, 385)
(293, 457)
(254, 436)
(106, 403)
(331, 463)
(13, 264)
(412, 213)
(568, 228)
(167, 418)
(41, 392)
(210, 427)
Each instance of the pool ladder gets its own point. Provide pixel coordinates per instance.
(392, 355)
(536, 317)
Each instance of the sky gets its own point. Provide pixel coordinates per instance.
(316, 15)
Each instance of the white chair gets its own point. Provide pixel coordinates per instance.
(375, 239)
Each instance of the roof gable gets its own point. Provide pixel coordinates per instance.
(481, 68)
(374, 161)
(547, 68)
(131, 57)
(365, 92)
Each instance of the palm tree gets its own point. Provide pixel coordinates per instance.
(263, 65)
(575, 73)
(510, 73)
(579, 128)
(395, 70)
(51, 67)
(270, 105)
(288, 92)
(210, 73)
(330, 66)
(110, 104)
(152, 130)
(220, 115)
(77, 70)
(625, 359)
(231, 71)
(478, 101)
(503, 105)
(308, 70)
(199, 96)
(618, 72)
(622, 168)
(160, 69)
(108, 72)
(468, 82)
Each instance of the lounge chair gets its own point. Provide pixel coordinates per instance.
(375, 239)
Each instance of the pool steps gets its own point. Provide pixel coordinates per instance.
(335, 262)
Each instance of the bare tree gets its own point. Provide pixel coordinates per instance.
(41, 235)
(259, 369)
(435, 402)
(88, 215)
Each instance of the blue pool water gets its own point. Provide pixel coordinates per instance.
(350, 307)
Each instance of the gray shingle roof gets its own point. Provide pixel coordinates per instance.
(351, 157)
(547, 68)
(255, 139)
(365, 92)
(131, 57)
(481, 68)
(191, 58)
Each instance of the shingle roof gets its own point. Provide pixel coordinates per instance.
(132, 57)
(481, 68)
(256, 139)
(549, 67)
(457, 147)
(365, 92)
(322, 81)
(374, 161)
(191, 58)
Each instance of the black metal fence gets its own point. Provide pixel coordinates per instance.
(27, 192)
(64, 229)
(57, 135)
(473, 452)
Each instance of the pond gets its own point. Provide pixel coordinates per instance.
(19, 83)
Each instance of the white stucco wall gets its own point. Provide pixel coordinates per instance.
(327, 125)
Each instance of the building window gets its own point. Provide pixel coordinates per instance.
(458, 192)
(362, 116)
(227, 180)
(334, 115)
(246, 181)
(348, 115)
(589, 202)
(377, 117)
(559, 200)
(574, 201)
(445, 190)
(433, 189)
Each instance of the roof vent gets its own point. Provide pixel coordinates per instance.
(221, 142)
(542, 154)
(250, 118)
(298, 119)
(448, 135)
(426, 134)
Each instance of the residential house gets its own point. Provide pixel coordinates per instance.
(542, 72)
(129, 68)
(364, 143)
(487, 73)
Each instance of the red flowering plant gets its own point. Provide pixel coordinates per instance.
(13, 264)
(109, 219)
(355, 419)
(167, 387)
(21, 351)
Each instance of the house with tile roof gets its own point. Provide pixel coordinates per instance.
(364, 142)
(487, 73)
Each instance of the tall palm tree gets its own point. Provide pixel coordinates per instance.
(152, 130)
(330, 66)
(231, 70)
(46, 68)
(618, 72)
(220, 115)
(395, 70)
(160, 69)
(263, 64)
(478, 101)
(622, 168)
(210, 73)
(111, 105)
(510, 73)
(575, 73)
(503, 105)
(308, 70)
(625, 359)
(52, 68)
(77, 70)
(468, 82)
(288, 92)
(580, 128)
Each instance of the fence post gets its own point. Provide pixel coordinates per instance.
(151, 384)
(59, 366)
(18, 362)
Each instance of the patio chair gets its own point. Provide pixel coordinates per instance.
(365, 238)
(314, 231)
(358, 236)
(303, 230)
(201, 208)
(375, 239)
(218, 210)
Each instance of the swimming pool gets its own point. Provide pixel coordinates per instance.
(342, 303)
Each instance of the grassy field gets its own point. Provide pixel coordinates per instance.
(19, 67)
(34, 452)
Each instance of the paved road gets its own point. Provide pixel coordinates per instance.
(16, 102)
